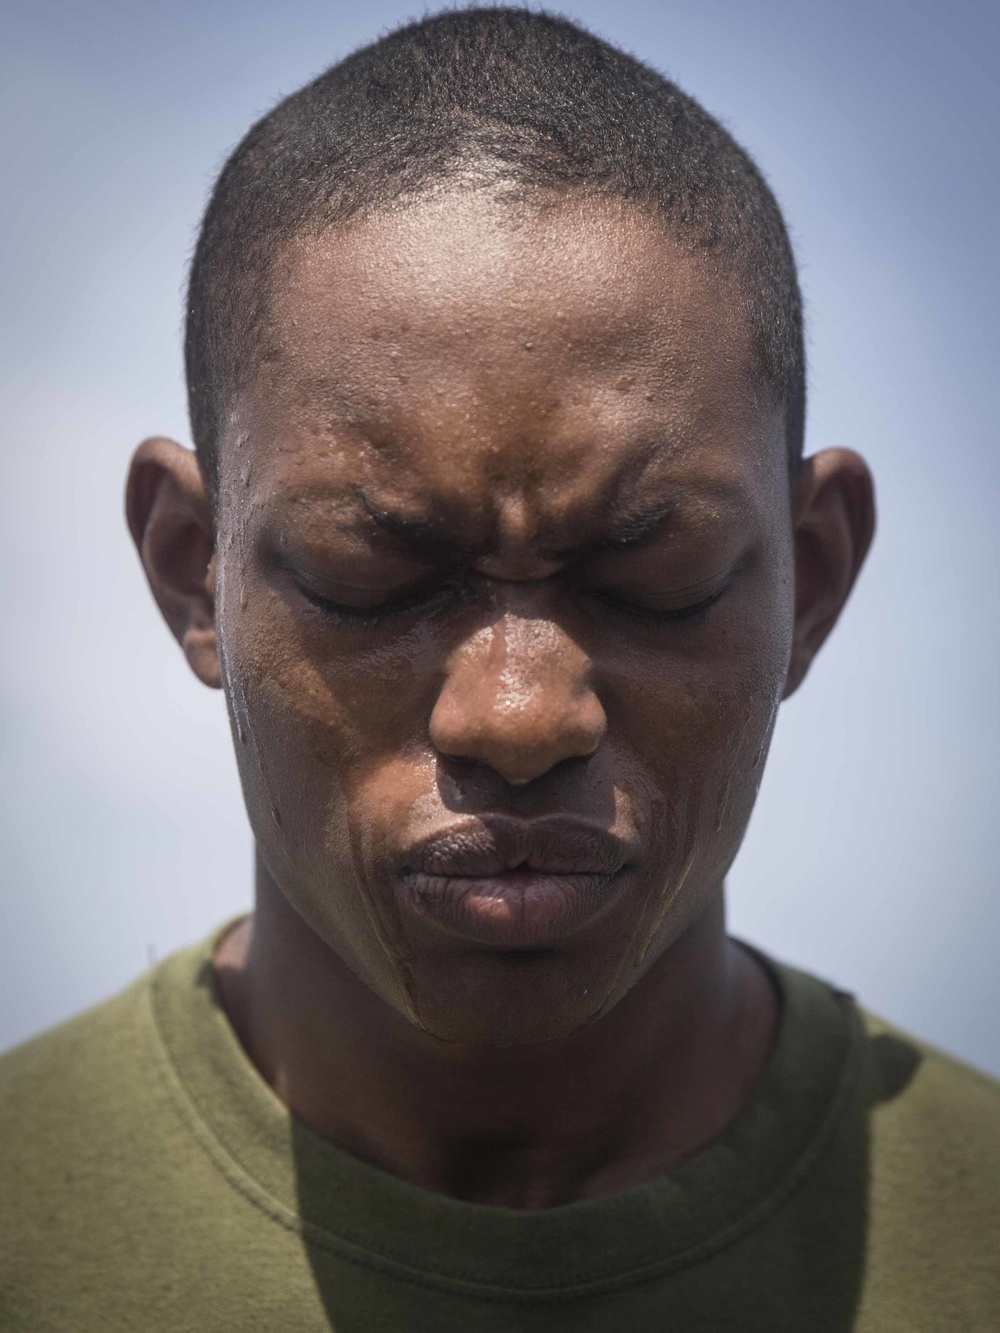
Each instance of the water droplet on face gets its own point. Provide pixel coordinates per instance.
(722, 807)
(420, 904)
(276, 815)
(241, 735)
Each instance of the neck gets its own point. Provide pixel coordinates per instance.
(620, 1102)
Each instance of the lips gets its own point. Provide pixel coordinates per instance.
(510, 883)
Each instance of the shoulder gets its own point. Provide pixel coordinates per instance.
(70, 1102)
(92, 1166)
(99, 1064)
(931, 1101)
(82, 1105)
(934, 1182)
(76, 1060)
(87, 1088)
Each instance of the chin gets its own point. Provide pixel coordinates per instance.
(501, 998)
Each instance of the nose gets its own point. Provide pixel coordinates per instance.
(518, 698)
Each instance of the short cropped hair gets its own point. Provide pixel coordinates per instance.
(537, 100)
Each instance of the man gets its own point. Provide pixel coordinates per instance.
(500, 543)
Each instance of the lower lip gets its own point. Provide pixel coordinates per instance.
(519, 909)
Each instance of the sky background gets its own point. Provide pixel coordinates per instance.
(871, 858)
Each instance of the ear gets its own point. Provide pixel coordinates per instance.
(170, 518)
(834, 522)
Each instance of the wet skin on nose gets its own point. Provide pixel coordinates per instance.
(504, 542)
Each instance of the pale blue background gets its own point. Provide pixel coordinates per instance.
(871, 858)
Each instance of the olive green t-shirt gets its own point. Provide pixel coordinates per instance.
(151, 1181)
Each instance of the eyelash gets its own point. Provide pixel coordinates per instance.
(370, 617)
(684, 614)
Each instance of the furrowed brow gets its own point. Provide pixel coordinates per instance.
(638, 526)
(426, 534)
(630, 530)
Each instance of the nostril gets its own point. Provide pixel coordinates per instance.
(519, 745)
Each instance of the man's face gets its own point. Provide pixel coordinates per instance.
(504, 602)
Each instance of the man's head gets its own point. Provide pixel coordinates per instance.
(493, 547)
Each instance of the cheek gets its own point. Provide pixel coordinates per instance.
(695, 711)
(699, 718)
(315, 701)
(315, 730)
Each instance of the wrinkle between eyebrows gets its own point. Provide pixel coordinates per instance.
(428, 533)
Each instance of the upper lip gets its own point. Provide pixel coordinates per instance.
(489, 846)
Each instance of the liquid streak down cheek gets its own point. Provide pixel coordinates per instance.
(233, 691)
(240, 708)
(659, 901)
(704, 811)
(379, 909)
(699, 809)
(233, 687)
(384, 915)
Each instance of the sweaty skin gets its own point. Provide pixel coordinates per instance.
(506, 582)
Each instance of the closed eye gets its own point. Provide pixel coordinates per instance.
(427, 600)
(657, 615)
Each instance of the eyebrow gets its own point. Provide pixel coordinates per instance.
(636, 527)
(429, 534)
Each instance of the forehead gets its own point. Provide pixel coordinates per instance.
(463, 348)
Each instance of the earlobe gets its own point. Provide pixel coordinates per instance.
(170, 517)
(834, 525)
